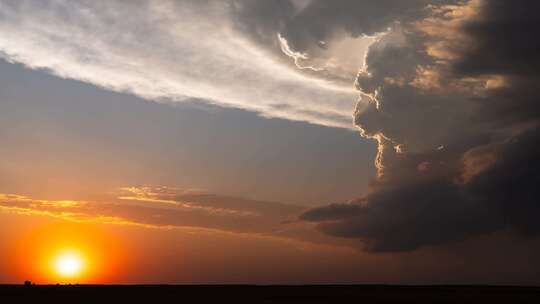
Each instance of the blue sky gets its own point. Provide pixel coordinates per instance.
(63, 135)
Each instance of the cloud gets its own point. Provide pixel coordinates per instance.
(321, 20)
(192, 210)
(453, 107)
(171, 51)
(448, 90)
(164, 207)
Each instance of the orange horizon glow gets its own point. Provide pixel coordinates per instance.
(67, 253)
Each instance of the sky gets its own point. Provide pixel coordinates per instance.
(269, 142)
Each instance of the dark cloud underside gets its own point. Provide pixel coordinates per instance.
(455, 111)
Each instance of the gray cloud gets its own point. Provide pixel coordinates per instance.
(327, 36)
(321, 19)
(455, 113)
(504, 35)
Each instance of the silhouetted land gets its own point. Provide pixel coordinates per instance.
(271, 294)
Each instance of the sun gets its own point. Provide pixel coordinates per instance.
(68, 264)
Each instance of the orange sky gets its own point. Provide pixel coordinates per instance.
(124, 253)
(128, 252)
(40, 241)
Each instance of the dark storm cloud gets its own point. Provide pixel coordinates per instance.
(325, 38)
(322, 19)
(510, 186)
(505, 39)
(261, 20)
(454, 108)
(306, 23)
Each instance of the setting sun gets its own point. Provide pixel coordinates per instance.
(66, 252)
(68, 264)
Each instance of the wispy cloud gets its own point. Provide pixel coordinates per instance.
(168, 51)
(162, 207)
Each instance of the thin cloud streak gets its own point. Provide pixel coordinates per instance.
(165, 208)
(162, 207)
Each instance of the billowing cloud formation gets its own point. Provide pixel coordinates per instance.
(454, 108)
(174, 50)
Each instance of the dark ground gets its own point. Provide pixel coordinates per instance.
(269, 294)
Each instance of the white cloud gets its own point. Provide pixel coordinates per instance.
(167, 51)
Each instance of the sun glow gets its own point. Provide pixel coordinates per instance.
(68, 264)
(68, 253)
